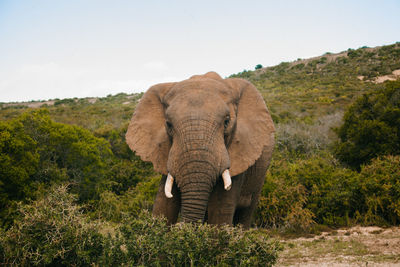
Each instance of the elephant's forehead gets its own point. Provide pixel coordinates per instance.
(196, 100)
(199, 89)
(199, 102)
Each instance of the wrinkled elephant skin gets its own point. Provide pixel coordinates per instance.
(212, 140)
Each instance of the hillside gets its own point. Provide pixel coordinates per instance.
(90, 113)
(303, 90)
(310, 88)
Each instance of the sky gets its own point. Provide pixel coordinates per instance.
(92, 48)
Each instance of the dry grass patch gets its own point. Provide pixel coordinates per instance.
(356, 246)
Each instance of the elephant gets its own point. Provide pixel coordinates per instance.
(212, 141)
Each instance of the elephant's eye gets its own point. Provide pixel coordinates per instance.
(168, 126)
(226, 121)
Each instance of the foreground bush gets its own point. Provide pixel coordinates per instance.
(149, 241)
(113, 207)
(53, 231)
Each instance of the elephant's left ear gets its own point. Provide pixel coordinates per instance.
(254, 126)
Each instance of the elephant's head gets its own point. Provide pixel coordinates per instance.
(197, 130)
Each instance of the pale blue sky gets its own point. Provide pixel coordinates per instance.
(58, 49)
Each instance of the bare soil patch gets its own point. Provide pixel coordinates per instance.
(356, 246)
(391, 77)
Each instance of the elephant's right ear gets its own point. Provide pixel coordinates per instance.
(146, 133)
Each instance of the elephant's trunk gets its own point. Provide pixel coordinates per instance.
(194, 205)
(197, 182)
(196, 164)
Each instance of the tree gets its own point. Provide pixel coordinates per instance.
(371, 127)
(258, 66)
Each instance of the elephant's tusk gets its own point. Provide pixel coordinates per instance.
(168, 186)
(227, 180)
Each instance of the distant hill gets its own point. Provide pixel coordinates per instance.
(301, 91)
(111, 112)
(309, 88)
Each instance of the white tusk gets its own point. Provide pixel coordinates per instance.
(168, 186)
(227, 180)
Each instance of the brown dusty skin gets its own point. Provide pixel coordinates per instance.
(195, 130)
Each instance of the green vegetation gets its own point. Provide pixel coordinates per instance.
(371, 127)
(319, 177)
(305, 90)
(317, 190)
(112, 112)
(52, 231)
(306, 185)
(36, 152)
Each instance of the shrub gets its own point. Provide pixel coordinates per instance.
(354, 53)
(300, 138)
(298, 194)
(330, 189)
(380, 187)
(113, 207)
(52, 231)
(281, 205)
(58, 146)
(36, 152)
(371, 127)
(150, 242)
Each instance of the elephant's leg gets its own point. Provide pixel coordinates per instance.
(251, 189)
(167, 207)
(222, 203)
(244, 215)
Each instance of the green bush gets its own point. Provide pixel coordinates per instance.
(316, 190)
(380, 188)
(371, 127)
(126, 169)
(282, 205)
(113, 207)
(51, 231)
(150, 242)
(36, 152)
(300, 193)
(330, 189)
